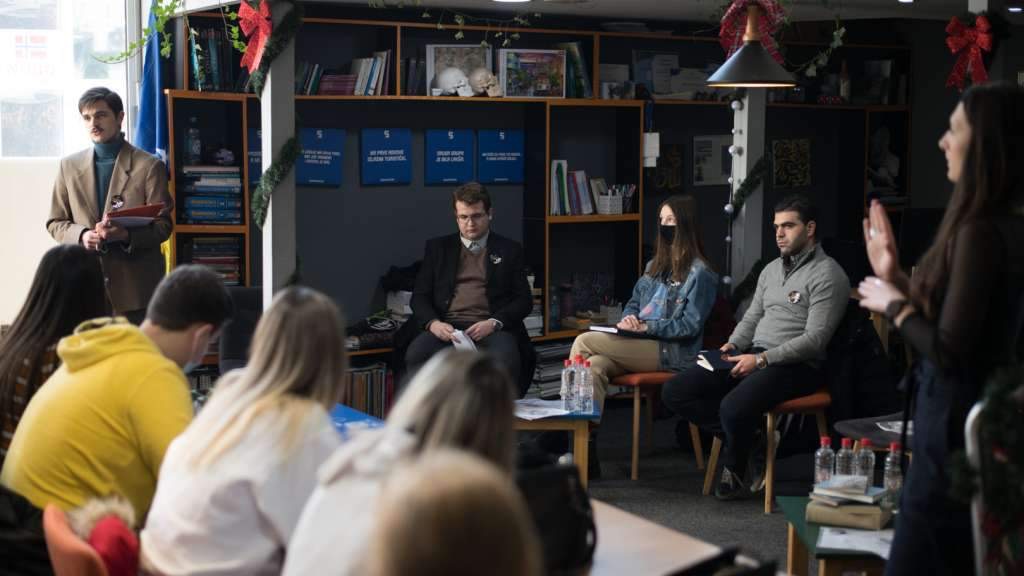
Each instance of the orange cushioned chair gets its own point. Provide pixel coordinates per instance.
(648, 384)
(69, 554)
(815, 404)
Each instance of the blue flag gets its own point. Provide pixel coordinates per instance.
(151, 125)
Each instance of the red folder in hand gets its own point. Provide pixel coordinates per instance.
(134, 217)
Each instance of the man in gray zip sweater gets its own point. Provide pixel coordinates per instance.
(776, 351)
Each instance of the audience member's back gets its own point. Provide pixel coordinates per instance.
(452, 514)
(232, 486)
(68, 288)
(457, 400)
(101, 424)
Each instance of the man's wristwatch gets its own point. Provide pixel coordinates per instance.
(496, 324)
(762, 361)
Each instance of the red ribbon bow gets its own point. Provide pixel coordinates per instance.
(968, 42)
(734, 23)
(257, 27)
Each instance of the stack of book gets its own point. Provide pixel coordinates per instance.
(215, 62)
(571, 192)
(846, 500)
(547, 376)
(534, 322)
(370, 389)
(337, 84)
(372, 74)
(577, 77)
(222, 254)
(413, 72)
(212, 195)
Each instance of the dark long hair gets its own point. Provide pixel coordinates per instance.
(68, 289)
(674, 260)
(991, 182)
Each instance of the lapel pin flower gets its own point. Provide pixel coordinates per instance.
(495, 259)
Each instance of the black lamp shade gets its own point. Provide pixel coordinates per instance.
(751, 67)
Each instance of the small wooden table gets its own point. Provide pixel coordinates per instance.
(629, 544)
(576, 422)
(802, 539)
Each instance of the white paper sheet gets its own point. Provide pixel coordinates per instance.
(874, 541)
(535, 409)
(463, 342)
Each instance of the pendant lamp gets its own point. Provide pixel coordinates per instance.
(751, 66)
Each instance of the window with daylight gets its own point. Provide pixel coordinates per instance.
(49, 53)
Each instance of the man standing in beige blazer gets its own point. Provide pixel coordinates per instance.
(113, 175)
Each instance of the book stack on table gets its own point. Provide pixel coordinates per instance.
(846, 500)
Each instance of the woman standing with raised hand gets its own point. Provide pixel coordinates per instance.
(960, 313)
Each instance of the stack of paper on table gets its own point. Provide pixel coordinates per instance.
(847, 500)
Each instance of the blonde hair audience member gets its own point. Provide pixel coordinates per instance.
(457, 400)
(451, 513)
(233, 484)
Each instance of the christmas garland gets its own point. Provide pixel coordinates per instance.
(273, 176)
(747, 187)
(1001, 477)
(282, 34)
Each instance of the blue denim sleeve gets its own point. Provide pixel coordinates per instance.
(641, 291)
(688, 320)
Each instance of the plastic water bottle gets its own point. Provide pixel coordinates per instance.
(893, 477)
(824, 461)
(568, 398)
(577, 382)
(193, 143)
(864, 461)
(586, 401)
(844, 458)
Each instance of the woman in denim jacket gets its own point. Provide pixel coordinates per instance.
(664, 320)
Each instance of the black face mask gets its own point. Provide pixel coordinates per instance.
(667, 233)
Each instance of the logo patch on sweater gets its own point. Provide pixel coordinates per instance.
(794, 297)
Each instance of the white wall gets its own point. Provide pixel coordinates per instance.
(25, 188)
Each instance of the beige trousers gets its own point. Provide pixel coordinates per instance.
(612, 356)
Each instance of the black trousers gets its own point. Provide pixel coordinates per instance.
(501, 344)
(933, 532)
(733, 409)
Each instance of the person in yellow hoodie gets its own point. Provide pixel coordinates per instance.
(101, 424)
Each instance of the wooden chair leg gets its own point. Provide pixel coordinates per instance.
(819, 417)
(650, 417)
(769, 464)
(709, 474)
(698, 450)
(636, 433)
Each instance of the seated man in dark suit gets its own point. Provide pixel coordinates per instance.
(474, 281)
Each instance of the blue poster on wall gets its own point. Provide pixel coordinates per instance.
(255, 156)
(500, 156)
(386, 156)
(320, 162)
(449, 157)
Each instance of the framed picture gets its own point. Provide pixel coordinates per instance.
(712, 163)
(465, 57)
(791, 160)
(532, 73)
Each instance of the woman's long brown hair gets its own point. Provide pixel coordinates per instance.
(674, 260)
(991, 182)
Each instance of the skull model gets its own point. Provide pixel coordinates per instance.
(453, 81)
(483, 82)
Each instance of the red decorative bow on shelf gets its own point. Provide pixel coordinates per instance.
(734, 23)
(968, 42)
(257, 27)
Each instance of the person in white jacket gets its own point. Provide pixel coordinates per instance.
(458, 399)
(232, 486)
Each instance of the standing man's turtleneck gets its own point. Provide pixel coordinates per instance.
(104, 158)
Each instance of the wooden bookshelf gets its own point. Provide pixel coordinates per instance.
(406, 38)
